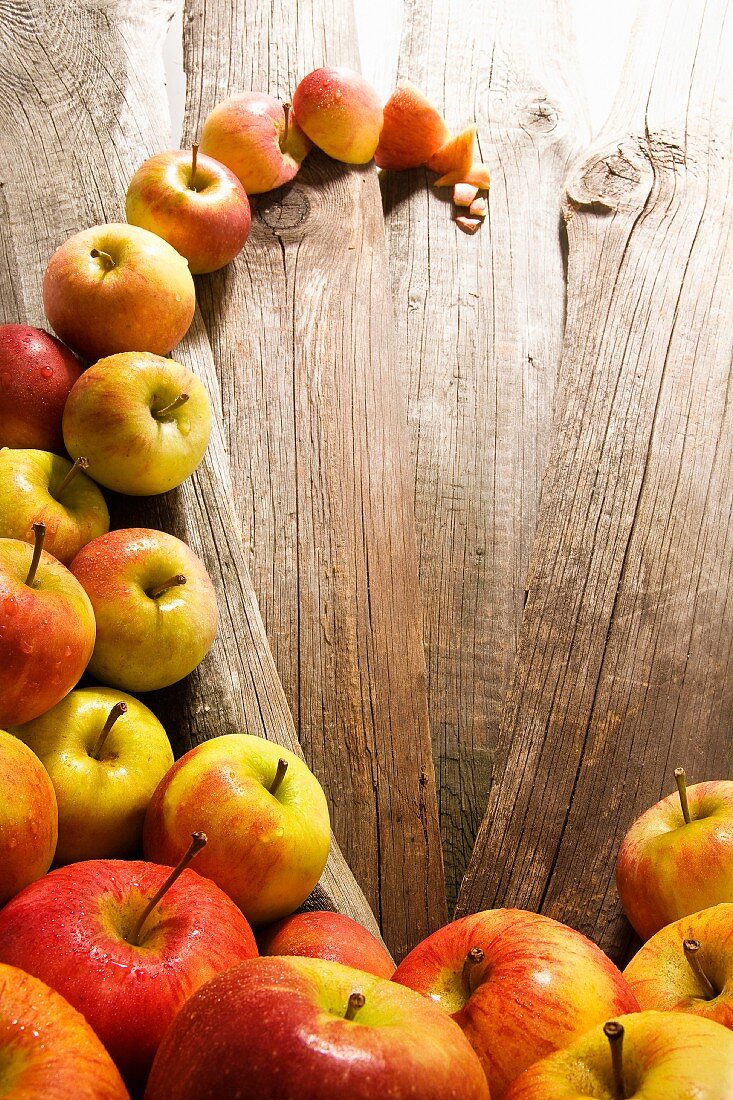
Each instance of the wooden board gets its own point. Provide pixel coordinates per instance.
(82, 103)
(480, 324)
(302, 332)
(625, 666)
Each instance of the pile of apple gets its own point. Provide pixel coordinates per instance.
(125, 973)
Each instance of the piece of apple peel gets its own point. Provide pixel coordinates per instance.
(468, 224)
(413, 130)
(479, 208)
(464, 194)
(478, 175)
(455, 157)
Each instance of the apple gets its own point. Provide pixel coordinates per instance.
(677, 858)
(257, 138)
(688, 966)
(126, 943)
(305, 1029)
(413, 130)
(321, 934)
(193, 202)
(341, 113)
(105, 753)
(46, 630)
(265, 812)
(40, 486)
(519, 984)
(654, 1055)
(118, 288)
(154, 604)
(141, 421)
(28, 820)
(36, 374)
(47, 1049)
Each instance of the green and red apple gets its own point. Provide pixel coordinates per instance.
(340, 112)
(28, 820)
(36, 375)
(321, 934)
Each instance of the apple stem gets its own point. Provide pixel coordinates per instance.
(691, 949)
(159, 589)
(473, 959)
(167, 409)
(117, 711)
(198, 840)
(80, 464)
(356, 1001)
(194, 158)
(614, 1032)
(681, 780)
(286, 110)
(39, 531)
(282, 767)
(98, 253)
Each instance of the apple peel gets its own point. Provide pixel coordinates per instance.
(455, 157)
(479, 208)
(413, 130)
(468, 224)
(464, 194)
(477, 175)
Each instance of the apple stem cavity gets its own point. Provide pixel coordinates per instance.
(356, 1001)
(164, 586)
(117, 711)
(198, 840)
(39, 532)
(168, 409)
(282, 767)
(691, 949)
(681, 780)
(194, 158)
(97, 253)
(614, 1032)
(80, 464)
(473, 959)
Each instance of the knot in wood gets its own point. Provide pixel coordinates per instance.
(286, 208)
(609, 179)
(538, 115)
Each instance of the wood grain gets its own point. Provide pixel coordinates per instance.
(302, 330)
(82, 103)
(625, 666)
(481, 320)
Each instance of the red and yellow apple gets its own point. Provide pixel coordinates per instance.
(340, 112)
(413, 130)
(36, 374)
(28, 820)
(320, 934)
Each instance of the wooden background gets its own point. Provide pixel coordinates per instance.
(471, 539)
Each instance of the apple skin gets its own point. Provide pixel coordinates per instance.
(341, 113)
(46, 633)
(36, 375)
(47, 1049)
(145, 302)
(247, 133)
(667, 869)
(208, 225)
(540, 986)
(102, 802)
(661, 977)
(146, 643)
(109, 419)
(68, 930)
(29, 480)
(666, 1057)
(274, 1029)
(322, 934)
(413, 130)
(28, 820)
(266, 851)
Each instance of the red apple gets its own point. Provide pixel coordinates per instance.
(46, 630)
(520, 985)
(340, 112)
(193, 202)
(118, 288)
(154, 604)
(36, 374)
(257, 138)
(28, 819)
(413, 130)
(677, 858)
(47, 1049)
(325, 935)
(304, 1029)
(79, 930)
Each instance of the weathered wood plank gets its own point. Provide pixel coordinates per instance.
(481, 320)
(302, 329)
(625, 665)
(82, 103)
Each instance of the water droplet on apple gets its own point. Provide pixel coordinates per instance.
(6, 378)
(26, 647)
(10, 605)
(67, 651)
(47, 371)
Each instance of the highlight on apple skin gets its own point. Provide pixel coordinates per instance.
(320, 934)
(257, 138)
(413, 130)
(36, 375)
(340, 112)
(118, 288)
(28, 820)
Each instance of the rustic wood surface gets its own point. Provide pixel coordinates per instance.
(302, 331)
(625, 666)
(480, 324)
(82, 103)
